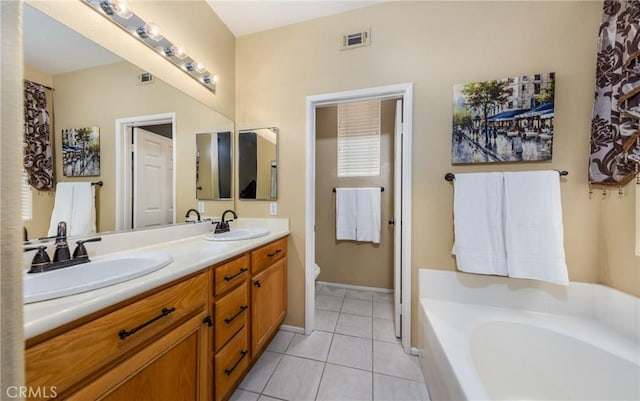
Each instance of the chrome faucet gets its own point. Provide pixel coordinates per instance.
(223, 225)
(61, 256)
(186, 216)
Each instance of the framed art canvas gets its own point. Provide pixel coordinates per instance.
(504, 120)
(81, 152)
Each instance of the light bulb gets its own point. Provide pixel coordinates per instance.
(116, 7)
(195, 66)
(149, 31)
(175, 51)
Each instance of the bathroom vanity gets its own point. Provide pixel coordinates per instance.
(191, 338)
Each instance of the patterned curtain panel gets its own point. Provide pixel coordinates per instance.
(38, 151)
(615, 135)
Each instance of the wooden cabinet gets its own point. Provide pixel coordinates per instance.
(172, 368)
(230, 354)
(74, 357)
(268, 294)
(194, 339)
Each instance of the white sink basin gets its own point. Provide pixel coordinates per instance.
(98, 273)
(238, 234)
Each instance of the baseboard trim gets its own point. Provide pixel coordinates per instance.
(292, 329)
(355, 287)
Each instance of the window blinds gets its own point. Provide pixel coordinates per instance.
(26, 197)
(359, 139)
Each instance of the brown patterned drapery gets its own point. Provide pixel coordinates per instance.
(615, 126)
(38, 150)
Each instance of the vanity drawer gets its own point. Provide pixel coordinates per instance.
(231, 314)
(230, 274)
(231, 363)
(78, 353)
(265, 256)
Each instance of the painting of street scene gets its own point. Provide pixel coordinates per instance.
(504, 120)
(81, 152)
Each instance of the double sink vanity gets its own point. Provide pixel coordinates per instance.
(188, 330)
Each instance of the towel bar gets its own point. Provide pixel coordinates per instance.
(381, 189)
(450, 176)
(99, 183)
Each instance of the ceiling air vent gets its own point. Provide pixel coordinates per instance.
(145, 78)
(356, 39)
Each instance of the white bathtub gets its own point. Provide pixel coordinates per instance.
(487, 337)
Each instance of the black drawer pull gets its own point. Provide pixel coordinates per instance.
(242, 270)
(208, 321)
(257, 284)
(232, 318)
(165, 312)
(275, 253)
(229, 371)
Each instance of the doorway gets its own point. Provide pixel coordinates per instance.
(145, 171)
(399, 196)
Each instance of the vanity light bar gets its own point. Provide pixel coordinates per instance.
(148, 33)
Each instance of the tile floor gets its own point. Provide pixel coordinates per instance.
(353, 355)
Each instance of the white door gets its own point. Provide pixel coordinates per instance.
(397, 217)
(153, 164)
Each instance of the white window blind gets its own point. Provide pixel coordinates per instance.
(26, 197)
(359, 139)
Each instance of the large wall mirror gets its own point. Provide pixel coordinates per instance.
(214, 165)
(93, 87)
(258, 164)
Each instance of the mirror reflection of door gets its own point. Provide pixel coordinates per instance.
(213, 166)
(258, 164)
(152, 204)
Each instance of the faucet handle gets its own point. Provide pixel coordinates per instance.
(40, 259)
(81, 252)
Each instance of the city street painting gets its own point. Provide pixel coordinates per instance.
(81, 152)
(504, 120)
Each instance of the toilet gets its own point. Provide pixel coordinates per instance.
(316, 271)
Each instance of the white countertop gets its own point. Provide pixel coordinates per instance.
(190, 255)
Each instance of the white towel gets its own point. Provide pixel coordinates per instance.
(478, 223)
(74, 204)
(345, 214)
(368, 215)
(533, 226)
(83, 214)
(62, 206)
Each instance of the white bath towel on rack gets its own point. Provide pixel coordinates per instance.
(533, 226)
(74, 204)
(346, 214)
(368, 215)
(478, 223)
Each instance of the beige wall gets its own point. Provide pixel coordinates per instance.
(434, 45)
(41, 201)
(98, 96)
(620, 264)
(349, 262)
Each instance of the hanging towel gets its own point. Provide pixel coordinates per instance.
(368, 215)
(533, 226)
(83, 214)
(62, 206)
(74, 204)
(478, 223)
(346, 214)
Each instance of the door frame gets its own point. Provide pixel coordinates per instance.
(405, 92)
(123, 164)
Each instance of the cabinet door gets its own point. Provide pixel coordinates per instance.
(173, 368)
(269, 303)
